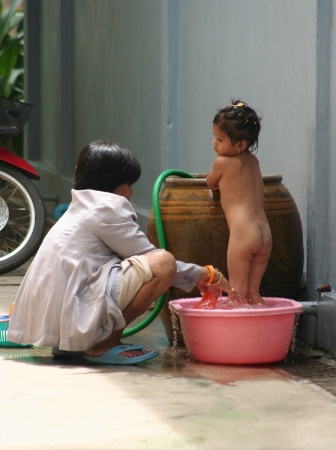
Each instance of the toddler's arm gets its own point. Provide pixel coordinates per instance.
(214, 176)
(213, 188)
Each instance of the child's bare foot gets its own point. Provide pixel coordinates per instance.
(256, 300)
(234, 298)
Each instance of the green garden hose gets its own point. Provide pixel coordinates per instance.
(162, 243)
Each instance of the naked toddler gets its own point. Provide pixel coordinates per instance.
(236, 173)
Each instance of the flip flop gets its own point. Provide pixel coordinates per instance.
(112, 356)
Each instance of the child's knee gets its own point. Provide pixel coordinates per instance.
(168, 261)
(162, 263)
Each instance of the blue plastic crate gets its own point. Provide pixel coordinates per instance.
(4, 324)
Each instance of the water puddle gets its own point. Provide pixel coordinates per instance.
(176, 329)
(293, 343)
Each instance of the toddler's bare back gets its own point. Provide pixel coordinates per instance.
(242, 190)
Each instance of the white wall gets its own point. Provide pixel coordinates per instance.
(331, 235)
(321, 185)
(151, 74)
(117, 74)
(263, 52)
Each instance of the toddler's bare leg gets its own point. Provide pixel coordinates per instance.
(239, 263)
(258, 267)
(163, 267)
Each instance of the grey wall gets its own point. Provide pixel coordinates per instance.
(117, 73)
(321, 248)
(264, 52)
(151, 74)
(330, 236)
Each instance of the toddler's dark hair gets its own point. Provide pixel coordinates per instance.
(239, 122)
(103, 166)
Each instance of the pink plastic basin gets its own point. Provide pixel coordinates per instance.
(243, 335)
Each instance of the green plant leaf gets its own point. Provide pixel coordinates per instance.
(8, 56)
(11, 50)
(10, 18)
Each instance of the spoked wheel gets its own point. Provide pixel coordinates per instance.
(22, 218)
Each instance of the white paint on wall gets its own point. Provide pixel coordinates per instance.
(151, 75)
(259, 51)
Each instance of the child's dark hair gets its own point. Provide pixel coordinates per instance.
(239, 122)
(103, 166)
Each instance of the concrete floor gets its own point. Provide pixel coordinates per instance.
(170, 402)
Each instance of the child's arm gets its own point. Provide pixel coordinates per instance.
(214, 176)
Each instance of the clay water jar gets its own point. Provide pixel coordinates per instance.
(196, 231)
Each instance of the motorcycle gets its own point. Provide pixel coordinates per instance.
(22, 212)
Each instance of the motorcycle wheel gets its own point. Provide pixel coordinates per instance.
(22, 218)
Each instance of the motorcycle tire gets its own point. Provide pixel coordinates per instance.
(22, 218)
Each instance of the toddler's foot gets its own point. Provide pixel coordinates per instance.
(234, 298)
(256, 300)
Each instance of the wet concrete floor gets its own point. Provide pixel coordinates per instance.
(170, 402)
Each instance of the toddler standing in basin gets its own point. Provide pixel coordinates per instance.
(236, 173)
